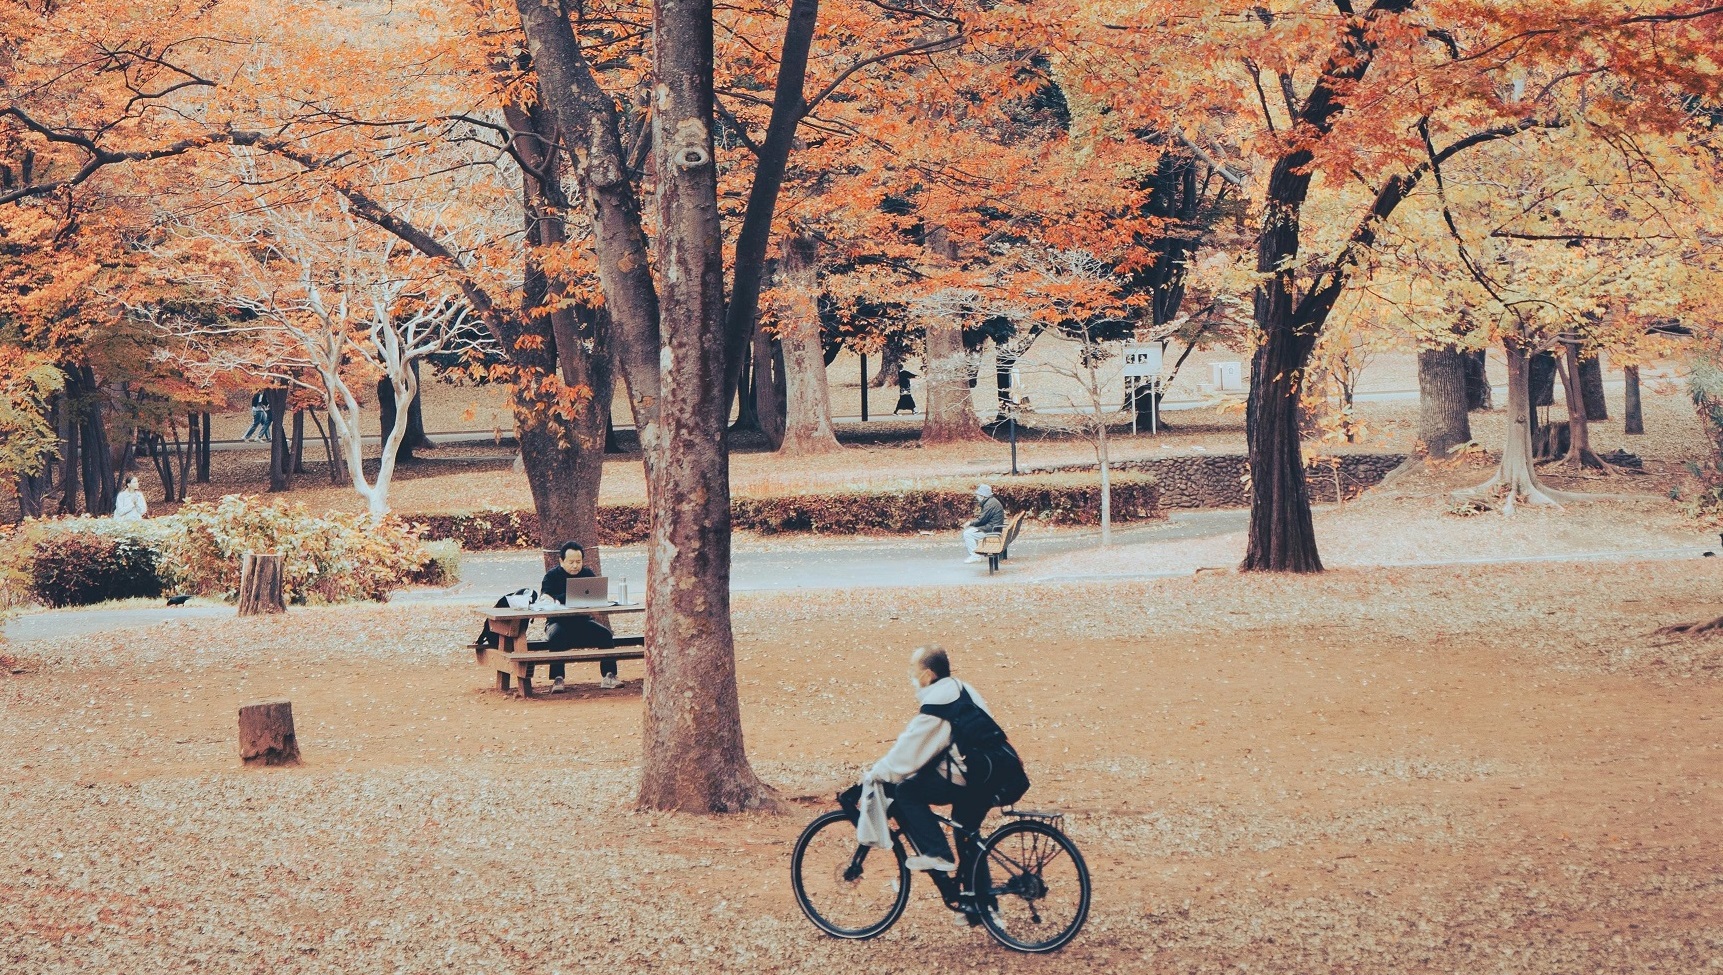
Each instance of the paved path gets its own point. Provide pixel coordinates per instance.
(796, 562)
(792, 563)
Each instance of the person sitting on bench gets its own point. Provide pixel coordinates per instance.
(990, 521)
(569, 632)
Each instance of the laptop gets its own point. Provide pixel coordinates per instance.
(588, 591)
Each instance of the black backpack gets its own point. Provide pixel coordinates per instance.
(488, 639)
(992, 766)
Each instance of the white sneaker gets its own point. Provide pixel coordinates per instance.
(929, 863)
(556, 686)
(976, 558)
(609, 682)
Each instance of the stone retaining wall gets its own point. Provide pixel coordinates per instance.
(1217, 480)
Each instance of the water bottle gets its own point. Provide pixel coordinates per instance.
(624, 599)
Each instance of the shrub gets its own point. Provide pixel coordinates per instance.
(77, 568)
(1061, 498)
(329, 558)
(442, 565)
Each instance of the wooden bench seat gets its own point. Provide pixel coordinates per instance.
(997, 547)
(519, 665)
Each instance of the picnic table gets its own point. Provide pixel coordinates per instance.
(514, 658)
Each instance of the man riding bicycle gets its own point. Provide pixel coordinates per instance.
(928, 765)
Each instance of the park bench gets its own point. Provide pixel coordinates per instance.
(513, 658)
(997, 546)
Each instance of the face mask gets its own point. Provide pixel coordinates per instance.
(915, 681)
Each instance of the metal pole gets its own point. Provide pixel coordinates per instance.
(864, 386)
(1012, 419)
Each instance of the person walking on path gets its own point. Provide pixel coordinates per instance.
(259, 418)
(130, 504)
(989, 521)
(905, 402)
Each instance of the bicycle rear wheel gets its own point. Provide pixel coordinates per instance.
(847, 890)
(1038, 885)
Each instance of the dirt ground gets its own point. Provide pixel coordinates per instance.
(1457, 769)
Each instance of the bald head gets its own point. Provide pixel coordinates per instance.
(933, 659)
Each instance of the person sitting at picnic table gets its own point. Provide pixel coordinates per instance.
(130, 505)
(569, 632)
(990, 521)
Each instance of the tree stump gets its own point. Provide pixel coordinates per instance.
(266, 734)
(260, 584)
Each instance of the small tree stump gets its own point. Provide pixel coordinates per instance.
(260, 584)
(266, 734)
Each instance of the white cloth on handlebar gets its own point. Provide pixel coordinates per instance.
(872, 827)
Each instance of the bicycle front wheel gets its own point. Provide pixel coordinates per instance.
(847, 890)
(1037, 887)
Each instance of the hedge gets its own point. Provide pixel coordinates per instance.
(1049, 500)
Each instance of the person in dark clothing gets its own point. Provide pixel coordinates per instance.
(989, 521)
(905, 402)
(569, 632)
(259, 417)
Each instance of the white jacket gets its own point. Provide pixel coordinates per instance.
(130, 506)
(926, 736)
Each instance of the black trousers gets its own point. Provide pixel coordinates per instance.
(571, 632)
(910, 805)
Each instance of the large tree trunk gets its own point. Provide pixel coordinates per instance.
(1635, 424)
(296, 446)
(280, 471)
(694, 756)
(97, 461)
(1442, 420)
(1479, 395)
(260, 584)
(1579, 452)
(808, 408)
(771, 388)
(1591, 388)
(414, 438)
(1516, 478)
(71, 449)
(563, 458)
(950, 413)
(1282, 536)
(1540, 378)
(203, 441)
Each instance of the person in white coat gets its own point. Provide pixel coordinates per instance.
(130, 504)
(927, 768)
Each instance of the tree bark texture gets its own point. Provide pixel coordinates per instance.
(694, 756)
(280, 471)
(1573, 386)
(950, 413)
(1281, 535)
(1635, 423)
(70, 449)
(563, 458)
(1516, 477)
(808, 408)
(771, 388)
(1540, 379)
(1442, 399)
(203, 448)
(266, 735)
(260, 584)
(1479, 395)
(1591, 388)
(296, 445)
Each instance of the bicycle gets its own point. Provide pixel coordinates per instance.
(1038, 907)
